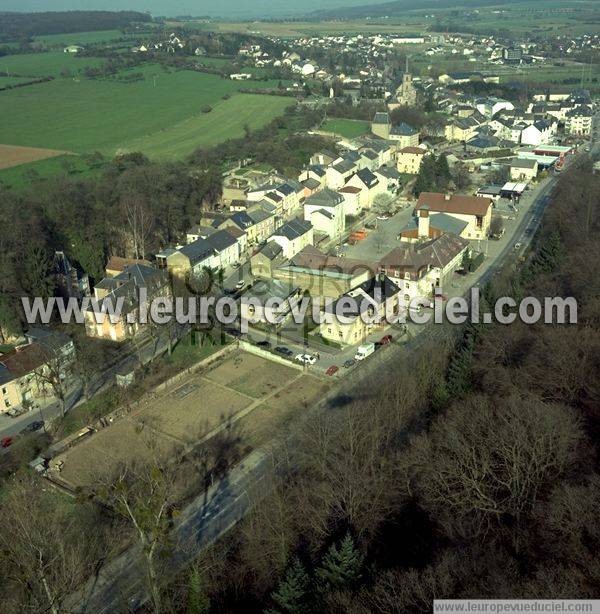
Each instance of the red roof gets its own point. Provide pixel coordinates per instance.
(455, 203)
(24, 360)
(413, 150)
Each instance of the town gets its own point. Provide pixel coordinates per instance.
(404, 169)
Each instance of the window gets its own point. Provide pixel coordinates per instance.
(3, 390)
(7, 403)
(329, 330)
(406, 275)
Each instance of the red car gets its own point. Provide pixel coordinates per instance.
(386, 340)
(332, 370)
(5, 442)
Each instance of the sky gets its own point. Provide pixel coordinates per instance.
(215, 8)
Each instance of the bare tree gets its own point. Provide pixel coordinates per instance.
(144, 495)
(54, 372)
(48, 546)
(139, 222)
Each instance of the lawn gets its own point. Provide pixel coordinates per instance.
(49, 64)
(348, 128)
(102, 115)
(226, 121)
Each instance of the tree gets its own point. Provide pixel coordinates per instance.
(36, 272)
(426, 177)
(293, 590)
(139, 222)
(341, 567)
(484, 465)
(54, 372)
(143, 494)
(48, 547)
(496, 226)
(442, 171)
(198, 601)
(461, 177)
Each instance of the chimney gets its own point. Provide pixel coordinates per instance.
(423, 231)
(447, 196)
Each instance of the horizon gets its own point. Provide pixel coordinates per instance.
(227, 8)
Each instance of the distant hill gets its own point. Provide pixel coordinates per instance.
(17, 25)
(396, 8)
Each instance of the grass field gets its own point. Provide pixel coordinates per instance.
(348, 128)
(22, 176)
(101, 115)
(226, 121)
(49, 64)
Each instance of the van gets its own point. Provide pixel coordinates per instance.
(364, 351)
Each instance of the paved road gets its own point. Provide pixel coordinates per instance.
(121, 583)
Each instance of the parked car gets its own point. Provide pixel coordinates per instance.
(5, 442)
(349, 363)
(364, 351)
(234, 332)
(332, 370)
(284, 351)
(383, 217)
(386, 340)
(264, 344)
(36, 425)
(307, 359)
(240, 285)
(517, 246)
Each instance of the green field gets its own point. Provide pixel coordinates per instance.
(226, 121)
(89, 115)
(19, 177)
(44, 64)
(6, 81)
(348, 128)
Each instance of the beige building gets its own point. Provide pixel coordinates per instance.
(409, 159)
(474, 210)
(374, 299)
(121, 295)
(522, 169)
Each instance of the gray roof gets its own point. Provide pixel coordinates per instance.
(367, 177)
(293, 229)
(221, 240)
(381, 118)
(523, 163)
(271, 250)
(442, 222)
(404, 129)
(198, 250)
(259, 215)
(344, 166)
(325, 198)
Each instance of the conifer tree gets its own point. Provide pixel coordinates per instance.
(291, 594)
(198, 601)
(341, 567)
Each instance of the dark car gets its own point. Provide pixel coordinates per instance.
(349, 363)
(264, 344)
(284, 351)
(32, 427)
(234, 332)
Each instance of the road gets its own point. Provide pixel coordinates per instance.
(120, 584)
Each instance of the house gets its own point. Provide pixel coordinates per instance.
(404, 135)
(264, 262)
(262, 310)
(490, 191)
(19, 385)
(187, 260)
(315, 172)
(461, 129)
(124, 290)
(116, 265)
(409, 159)
(540, 132)
(225, 247)
(476, 211)
(426, 226)
(293, 236)
(522, 169)
(579, 121)
(369, 186)
(418, 269)
(325, 211)
(322, 275)
(374, 299)
(338, 173)
(70, 281)
(389, 177)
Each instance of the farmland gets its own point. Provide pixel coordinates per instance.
(227, 120)
(102, 115)
(83, 38)
(50, 64)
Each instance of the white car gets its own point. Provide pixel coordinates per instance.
(240, 285)
(517, 246)
(307, 359)
(383, 217)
